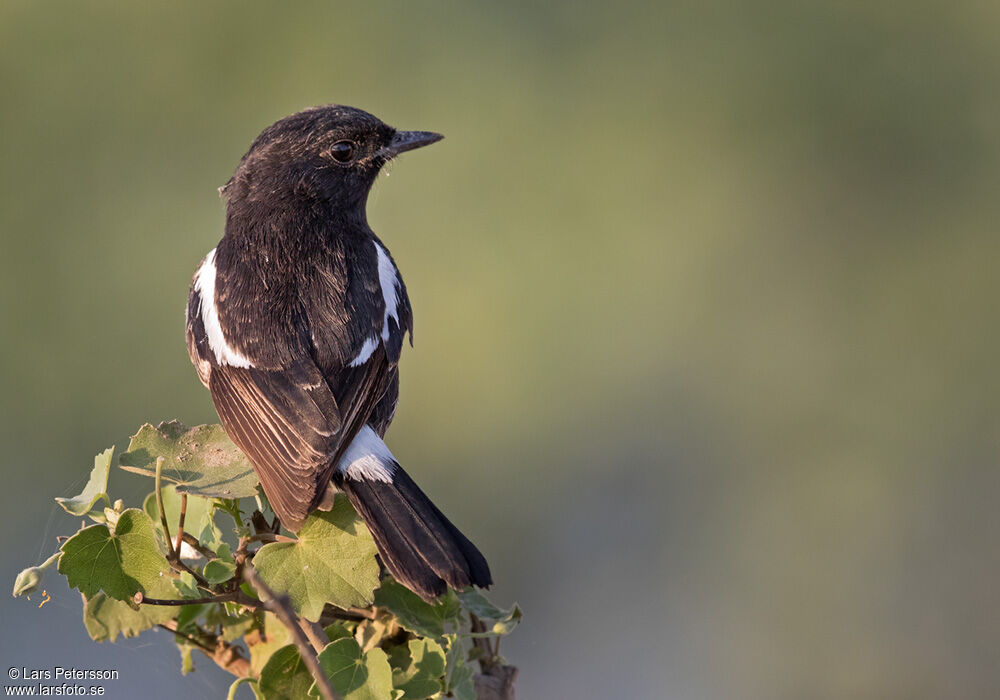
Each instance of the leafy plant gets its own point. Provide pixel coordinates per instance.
(291, 616)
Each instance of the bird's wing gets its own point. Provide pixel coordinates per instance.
(290, 426)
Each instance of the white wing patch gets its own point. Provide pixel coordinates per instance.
(367, 458)
(204, 284)
(366, 351)
(388, 279)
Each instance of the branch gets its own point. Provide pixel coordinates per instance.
(174, 553)
(180, 524)
(331, 614)
(270, 537)
(280, 607)
(317, 635)
(179, 566)
(190, 637)
(159, 507)
(226, 656)
(233, 597)
(202, 549)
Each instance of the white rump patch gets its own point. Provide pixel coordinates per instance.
(367, 458)
(204, 284)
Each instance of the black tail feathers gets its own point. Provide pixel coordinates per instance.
(419, 545)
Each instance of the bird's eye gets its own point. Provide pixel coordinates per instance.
(342, 151)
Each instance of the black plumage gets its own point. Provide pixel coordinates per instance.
(295, 323)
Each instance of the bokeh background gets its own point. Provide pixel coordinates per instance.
(705, 298)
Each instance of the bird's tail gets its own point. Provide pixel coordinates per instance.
(419, 545)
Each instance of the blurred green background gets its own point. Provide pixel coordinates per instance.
(705, 299)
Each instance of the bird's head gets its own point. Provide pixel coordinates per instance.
(330, 154)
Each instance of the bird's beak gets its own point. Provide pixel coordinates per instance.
(408, 140)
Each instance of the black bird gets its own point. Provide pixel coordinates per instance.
(295, 323)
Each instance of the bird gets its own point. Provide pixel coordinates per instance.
(295, 323)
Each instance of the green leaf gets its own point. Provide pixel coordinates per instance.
(459, 676)
(273, 637)
(418, 668)
(353, 675)
(235, 626)
(224, 554)
(188, 616)
(464, 683)
(333, 561)
(105, 618)
(96, 488)
(218, 571)
(120, 564)
(187, 586)
(284, 676)
(337, 631)
(497, 620)
(187, 663)
(231, 507)
(417, 615)
(200, 460)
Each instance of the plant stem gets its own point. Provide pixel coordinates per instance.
(159, 506)
(181, 566)
(225, 655)
(280, 607)
(190, 637)
(270, 537)
(316, 634)
(202, 549)
(174, 553)
(180, 524)
(141, 599)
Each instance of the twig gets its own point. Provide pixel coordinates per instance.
(363, 612)
(179, 565)
(202, 549)
(159, 506)
(331, 613)
(240, 557)
(260, 524)
(190, 637)
(180, 524)
(174, 553)
(270, 537)
(140, 599)
(316, 634)
(280, 607)
(225, 655)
